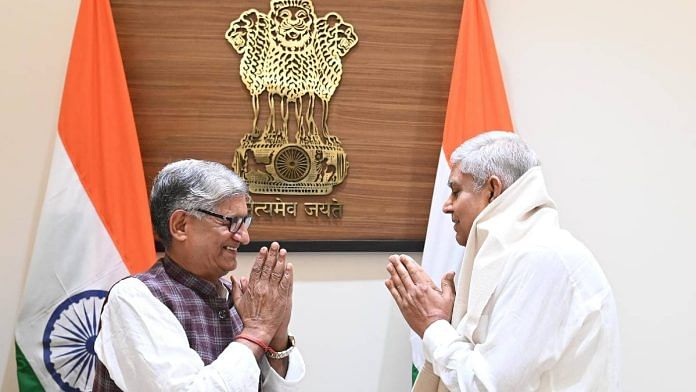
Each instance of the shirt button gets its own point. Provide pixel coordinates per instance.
(223, 314)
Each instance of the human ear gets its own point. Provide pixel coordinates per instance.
(495, 187)
(178, 223)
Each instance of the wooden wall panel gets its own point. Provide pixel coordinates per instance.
(189, 102)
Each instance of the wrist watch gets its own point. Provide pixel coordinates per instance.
(285, 353)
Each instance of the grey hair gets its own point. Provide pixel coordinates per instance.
(188, 185)
(498, 153)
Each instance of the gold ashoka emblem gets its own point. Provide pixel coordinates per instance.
(292, 57)
(292, 164)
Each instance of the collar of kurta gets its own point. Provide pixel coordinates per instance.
(522, 209)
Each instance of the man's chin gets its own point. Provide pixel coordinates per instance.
(229, 264)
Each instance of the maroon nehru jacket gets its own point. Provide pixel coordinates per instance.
(211, 323)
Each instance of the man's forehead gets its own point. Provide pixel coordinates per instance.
(458, 178)
(233, 205)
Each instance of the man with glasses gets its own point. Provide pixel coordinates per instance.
(180, 325)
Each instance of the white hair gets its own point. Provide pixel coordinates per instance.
(494, 153)
(188, 185)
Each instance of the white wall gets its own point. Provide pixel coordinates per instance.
(35, 43)
(604, 91)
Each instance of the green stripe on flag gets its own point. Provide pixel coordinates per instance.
(26, 378)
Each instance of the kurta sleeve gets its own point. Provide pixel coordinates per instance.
(530, 320)
(145, 348)
(272, 381)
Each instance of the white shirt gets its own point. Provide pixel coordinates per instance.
(145, 348)
(533, 310)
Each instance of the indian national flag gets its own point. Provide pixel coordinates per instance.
(476, 104)
(94, 227)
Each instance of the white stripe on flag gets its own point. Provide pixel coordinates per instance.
(73, 253)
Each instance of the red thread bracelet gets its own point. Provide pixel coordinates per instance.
(264, 346)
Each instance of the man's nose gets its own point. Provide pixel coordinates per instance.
(447, 207)
(242, 236)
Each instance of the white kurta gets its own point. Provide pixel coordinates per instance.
(533, 311)
(145, 348)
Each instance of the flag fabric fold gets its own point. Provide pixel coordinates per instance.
(477, 103)
(94, 227)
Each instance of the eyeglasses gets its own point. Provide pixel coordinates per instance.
(234, 223)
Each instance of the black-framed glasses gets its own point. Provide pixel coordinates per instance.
(234, 223)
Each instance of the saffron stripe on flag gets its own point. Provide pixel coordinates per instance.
(98, 131)
(94, 227)
(477, 103)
